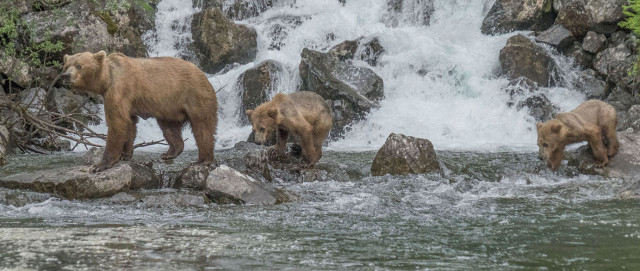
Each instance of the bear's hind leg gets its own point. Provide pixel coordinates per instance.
(597, 146)
(308, 147)
(172, 132)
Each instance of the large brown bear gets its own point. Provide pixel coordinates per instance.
(304, 113)
(593, 121)
(169, 89)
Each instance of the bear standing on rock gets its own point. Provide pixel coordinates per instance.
(593, 121)
(304, 113)
(169, 89)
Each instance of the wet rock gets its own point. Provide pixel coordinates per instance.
(580, 16)
(258, 84)
(351, 91)
(401, 155)
(408, 12)
(289, 168)
(174, 199)
(79, 183)
(226, 185)
(557, 36)
(581, 57)
(4, 144)
(193, 177)
(524, 93)
(625, 164)
(220, 42)
(345, 50)
(370, 51)
(588, 84)
(511, 15)
(594, 42)
(242, 10)
(523, 58)
(19, 198)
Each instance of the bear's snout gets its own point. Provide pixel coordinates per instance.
(65, 78)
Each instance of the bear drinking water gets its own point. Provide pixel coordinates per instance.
(169, 89)
(593, 121)
(303, 113)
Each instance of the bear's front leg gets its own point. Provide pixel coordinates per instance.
(116, 138)
(597, 147)
(308, 148)
(279, 150)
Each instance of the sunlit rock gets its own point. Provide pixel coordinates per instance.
(226, 185)
(79, 183)
(219, 41)
(521, 57)
(510, 15)
(401, 155)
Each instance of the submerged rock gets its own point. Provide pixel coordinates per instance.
(219, 41)
(226, 185)
(523, 58)
(511, 15)
(79, 183)
(401, 155)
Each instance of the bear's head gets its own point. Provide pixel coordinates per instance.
(551, 143)
(263, 120)
(83, 70)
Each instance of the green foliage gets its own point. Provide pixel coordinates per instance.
(632, 22)
(16, 42)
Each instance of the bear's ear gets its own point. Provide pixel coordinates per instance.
(556, 127)
(66, 57)
(273, 113)
(99, 56)
(249, 112)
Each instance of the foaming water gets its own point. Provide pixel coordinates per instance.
(438, 70)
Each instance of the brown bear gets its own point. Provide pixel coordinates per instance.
(169, 89)
(593, 121)
(304, 113)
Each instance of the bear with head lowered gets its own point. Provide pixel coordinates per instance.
(593, 121)
(171, 90)
(303, 113)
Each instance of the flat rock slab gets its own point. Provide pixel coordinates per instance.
(79, 183)
(226, 185)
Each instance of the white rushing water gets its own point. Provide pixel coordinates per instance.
(439, 79)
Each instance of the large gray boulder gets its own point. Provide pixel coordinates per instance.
(580, 16)
(79, 183)
(401, 155)
(608, 59)
(226, 185)
(510, 15)
(594, 42)
(219, 41)
(521, 57)
(352, 91)
(557, 36)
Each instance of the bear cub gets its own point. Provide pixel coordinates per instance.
(304, 113)
(593, 121)
(171, 90)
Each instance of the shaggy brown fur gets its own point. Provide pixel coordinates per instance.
(303, 113)
(169, 89)
(593, 121)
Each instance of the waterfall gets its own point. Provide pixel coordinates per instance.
(438, 70)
